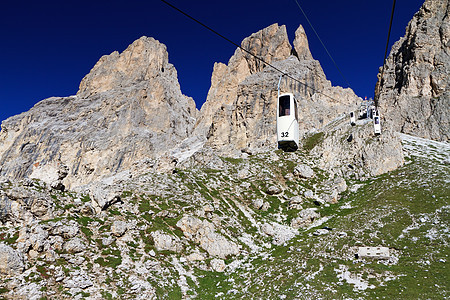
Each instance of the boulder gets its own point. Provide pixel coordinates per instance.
(303, 171)
(164, 241)
(118, 228)
(204, 233)
(11, 261)
(280, 233)
(103, 196)
(274, 190)
(67, 229)
(38, 238)
(217, 265)
(305, 218)
(5, 208)
(295, 202)
(78, 281)
(74, 245)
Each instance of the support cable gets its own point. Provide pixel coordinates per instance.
(377, 92)
(323, 45)
(245, 50)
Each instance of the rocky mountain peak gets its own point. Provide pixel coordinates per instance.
(269, 44)
(129, 109)
(301, 45)
(240, 109)
(144, 59)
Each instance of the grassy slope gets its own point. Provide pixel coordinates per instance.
(406, 210)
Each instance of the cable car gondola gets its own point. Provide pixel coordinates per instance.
(287, 122)
(352, 118)
(376, 123)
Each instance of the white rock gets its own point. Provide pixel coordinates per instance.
(164, 241)
(203, 232)
(11, 261)
(118, 228)
(305, 218)
(74, 245)
(218, 265)
(303, 171)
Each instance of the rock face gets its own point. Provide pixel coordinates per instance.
(128, 108)
(270, 44)
(414, 91)
(241, 104)
(354, 150)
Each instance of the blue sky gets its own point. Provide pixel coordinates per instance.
(47, 47)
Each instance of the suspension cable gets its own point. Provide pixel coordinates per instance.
(245, 50)
(377, 92)
(323, 45)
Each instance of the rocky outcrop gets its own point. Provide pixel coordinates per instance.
(270, 44)
(128, 108)
(241, 104)
(204, 233)
(414, 90)
(355, 150)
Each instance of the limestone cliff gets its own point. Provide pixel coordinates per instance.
(414, 91)
(269, 44)
(241, 104)
(128, 108)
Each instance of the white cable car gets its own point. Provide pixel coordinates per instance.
(287, 122)
(363, 112)
(376, 123)
(371, 111)
(352, 118)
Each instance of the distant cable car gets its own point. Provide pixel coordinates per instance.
(352, 118)
(376, 123)
(371, 111)
(287, 122)
(363, 112)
